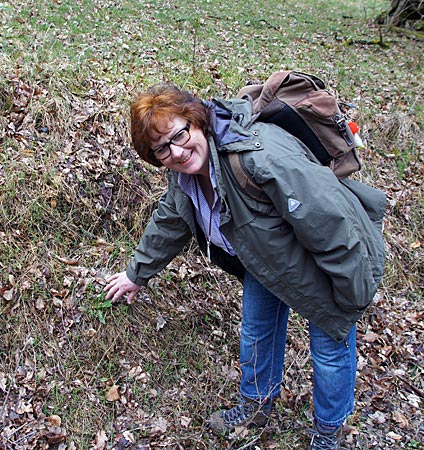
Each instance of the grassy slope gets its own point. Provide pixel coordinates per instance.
(74, 201)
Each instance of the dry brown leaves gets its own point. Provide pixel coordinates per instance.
(89, 135)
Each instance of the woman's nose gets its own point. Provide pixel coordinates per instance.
(176, 150)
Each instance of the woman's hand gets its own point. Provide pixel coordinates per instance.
(119, 285)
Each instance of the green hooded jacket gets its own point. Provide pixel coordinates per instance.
(318, 246)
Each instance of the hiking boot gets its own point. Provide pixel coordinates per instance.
(325, 440)
(248, 413)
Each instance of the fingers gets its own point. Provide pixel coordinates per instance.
(131, 297)
(119, 285)
(113, 292)
(113, 277)
(111, 288)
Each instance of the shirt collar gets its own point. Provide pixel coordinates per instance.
(186, 180)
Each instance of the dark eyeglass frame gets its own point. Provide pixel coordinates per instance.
(165, 146)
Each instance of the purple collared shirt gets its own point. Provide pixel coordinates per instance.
(203, 215)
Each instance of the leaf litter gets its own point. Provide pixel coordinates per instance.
(390, 350)
(98, 189)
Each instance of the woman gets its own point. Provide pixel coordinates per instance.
(313, 249)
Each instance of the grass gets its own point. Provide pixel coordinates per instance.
(74, 201)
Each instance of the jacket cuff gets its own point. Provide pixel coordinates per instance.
(134, 277)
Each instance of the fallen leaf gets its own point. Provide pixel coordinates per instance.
(8, 295)
(54, 420)
(113, 394)
(12, 280)
(370, 337)
(185, 421)
(57, 302)
(393, 435)
(129, 436)
(351, 433)
(3, 382)
(378, 417)
(361, 363)
(159, 426)
(400, 419)
(67, 261)
(160, 322)
(24, 407)
(55, 435)
(100, 441)
(39, 304)
(414, 400)
(239, 433)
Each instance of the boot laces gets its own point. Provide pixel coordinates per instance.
(240, 413)
(322, 441)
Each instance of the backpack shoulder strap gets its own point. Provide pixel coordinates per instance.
(245, 180)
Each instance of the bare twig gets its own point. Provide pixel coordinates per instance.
(419, 392)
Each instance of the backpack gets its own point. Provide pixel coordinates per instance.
(300, 104)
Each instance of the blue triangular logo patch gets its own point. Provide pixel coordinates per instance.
(293, 204)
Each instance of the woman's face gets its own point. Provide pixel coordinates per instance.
(190, 152)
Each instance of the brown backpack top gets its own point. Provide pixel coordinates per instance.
(300, 104)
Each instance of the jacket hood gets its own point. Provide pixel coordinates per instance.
(229, 120)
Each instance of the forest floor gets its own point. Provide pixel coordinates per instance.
(77, 372)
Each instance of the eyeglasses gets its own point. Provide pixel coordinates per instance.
(180, 138)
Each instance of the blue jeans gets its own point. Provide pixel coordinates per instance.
(262, 350)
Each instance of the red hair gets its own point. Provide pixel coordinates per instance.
(152, 111)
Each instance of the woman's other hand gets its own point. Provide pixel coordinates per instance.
(119, 285)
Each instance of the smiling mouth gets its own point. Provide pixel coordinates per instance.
(182, 161)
